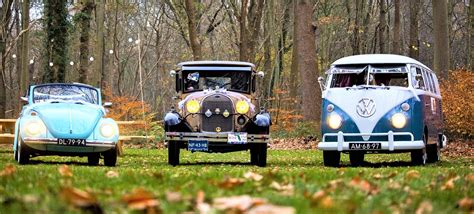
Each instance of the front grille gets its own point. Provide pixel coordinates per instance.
(211, 124)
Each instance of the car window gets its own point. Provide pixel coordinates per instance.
(65, 93)
(230, 80)
(379, 75)
(419, 78)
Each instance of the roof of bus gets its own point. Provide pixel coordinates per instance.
(377, 59)
(216, 63)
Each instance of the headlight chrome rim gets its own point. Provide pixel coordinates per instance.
(334, 121)
(107, 130)
(193, 106)
(398, 120)
(242, 107)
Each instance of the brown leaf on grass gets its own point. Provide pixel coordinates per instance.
(449, 184)
(229, 183)
(173, 196)
(237, 203)
(412, 174)
(469, 178)
(424, 207)
(271, 209)
(8, 170)
(320, 198)
(65, 171)
(140, 199)
(364, 185)
(201, 205)
(466, 204)
(253, 176)
(287, 189)
(334, 184)
(80, 199)
(112, 174)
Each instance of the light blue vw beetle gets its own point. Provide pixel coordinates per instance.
(65, 119)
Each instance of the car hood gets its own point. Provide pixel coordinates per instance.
(69, 120)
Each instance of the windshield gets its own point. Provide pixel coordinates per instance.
(367, 75)
(230, 80)
(69, 93)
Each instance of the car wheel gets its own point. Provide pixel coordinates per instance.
(433, 152)
(93, 159)
(356, 158)
(23, 155)
(331, 158)
(173, 153)
(254, 154)
(262, 155)
(110, 157)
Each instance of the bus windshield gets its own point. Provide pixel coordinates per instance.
(369, 76)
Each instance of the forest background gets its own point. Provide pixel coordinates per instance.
(128, 47)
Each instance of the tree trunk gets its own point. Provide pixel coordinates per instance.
(84, 18)
(193, 37)
(414, 34)
(471, 37)
(396, 29)
(5, 15)
(56, 40)
(382, 25)
(250, 21)
(24, 68)
(441, 37)
(305, 60)
(104, 77)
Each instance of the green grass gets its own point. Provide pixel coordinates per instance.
(35, 187)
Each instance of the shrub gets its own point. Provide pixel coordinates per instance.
(458, 106)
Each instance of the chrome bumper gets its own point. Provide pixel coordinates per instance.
(54, 141)
(213, 137)
(389, 145)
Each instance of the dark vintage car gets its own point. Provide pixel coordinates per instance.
(216, 111)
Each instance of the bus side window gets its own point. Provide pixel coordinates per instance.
(429, 79)
(436, 84)
(425, 80)
(433, 85)
(419, 79)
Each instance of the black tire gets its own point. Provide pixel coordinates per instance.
(23, 156)
(15, 154)
(110, 157)
(254, 154)
(262, 155)
(418, 157)
(433, 152)
(356, 158)
(93, 159)
(173, 153)
(331, 158)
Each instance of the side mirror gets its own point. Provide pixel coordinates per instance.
(321, 83)
(107, 105)
(172, 73)
(260, 74)
(24, 99)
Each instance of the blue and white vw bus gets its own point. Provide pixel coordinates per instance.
(380, 103)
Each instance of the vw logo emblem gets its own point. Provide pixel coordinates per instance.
(366, 107)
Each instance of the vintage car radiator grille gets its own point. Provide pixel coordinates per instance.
(211, 124)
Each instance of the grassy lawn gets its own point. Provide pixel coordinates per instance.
(295, 178)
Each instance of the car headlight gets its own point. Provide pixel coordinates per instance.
(34, 128)
(242, 107)
(334, 121)
(107, 130)
(193, 106)
(399, 120)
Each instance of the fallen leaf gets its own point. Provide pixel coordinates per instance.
(65, 171)
(322, 199)
(237, 203)
(449, 185)
(283, 189)
(253, 176)
(201, 206)
(424, 207)
(8, 170)
(412, 174)
(469, 178)
(334, 184)
(80, 199)
(140, 199)
(230, 183)
(364, 185)
(271, 209)
(466, 204)
(377, 176)
(173, 196)
(112, 174)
